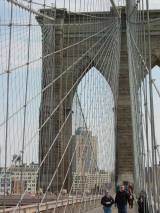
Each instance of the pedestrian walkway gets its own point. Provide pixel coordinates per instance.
(114, 210)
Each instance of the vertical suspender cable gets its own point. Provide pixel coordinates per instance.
(7, 99)
(154, 166)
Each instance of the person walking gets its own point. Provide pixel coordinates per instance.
(142, 203)
(107, 202)
(117, 188)
(122, 197)
(130, 187)
(131, 198)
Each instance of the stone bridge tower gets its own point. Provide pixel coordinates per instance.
(55, 36)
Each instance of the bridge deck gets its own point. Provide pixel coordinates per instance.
(114, 210)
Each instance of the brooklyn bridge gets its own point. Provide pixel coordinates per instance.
(79, 104)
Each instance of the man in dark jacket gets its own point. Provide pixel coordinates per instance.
(122, 197)
(107, 202)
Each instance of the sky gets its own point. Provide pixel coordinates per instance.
(18, 85)
(97, 105)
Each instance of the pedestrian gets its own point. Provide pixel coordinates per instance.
(117, 188)
(107, 202)
(130, 187)
(131, 198)
(122, 197)
(142, 203)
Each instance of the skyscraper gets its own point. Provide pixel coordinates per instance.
(85, 146)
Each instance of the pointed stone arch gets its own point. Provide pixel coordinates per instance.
(97, 77)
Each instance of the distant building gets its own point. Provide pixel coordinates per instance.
(20, 179)
(18, 186)
(90, 182)
(5, 182)
(86, 151)
(84, 165)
